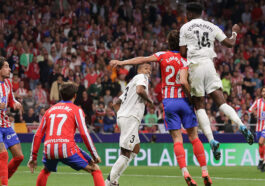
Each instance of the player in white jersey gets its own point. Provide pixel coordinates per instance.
(197, 44)
(259, 107)
(130, 106)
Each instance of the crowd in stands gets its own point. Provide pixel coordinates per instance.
(47, 42)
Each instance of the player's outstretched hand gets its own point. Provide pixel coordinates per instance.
(235, 28)
(115, 63)
(32, 165)
(17, 106)
(97, 159)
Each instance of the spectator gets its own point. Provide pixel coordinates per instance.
(151, 117)
(226, 83)
(28, 101)
(109, 120)
(21, 91)
(107, 98)
(33, 73)
(86, 105)
(41, 96)
(54, 93)
(30, 116)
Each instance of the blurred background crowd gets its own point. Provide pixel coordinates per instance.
(47, 42)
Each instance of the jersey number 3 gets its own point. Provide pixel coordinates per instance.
(59, 129)
(204, 41)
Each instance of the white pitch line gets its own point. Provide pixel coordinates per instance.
(158, 176)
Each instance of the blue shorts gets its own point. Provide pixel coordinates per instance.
(8, 136)
(177, 111)
(260, 134)
(77, 161)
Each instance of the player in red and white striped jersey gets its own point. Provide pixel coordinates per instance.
(59, 123)
(8, 137)
(177, 110)
(259, 107)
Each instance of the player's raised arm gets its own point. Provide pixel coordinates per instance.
(80, 120)
(133, 61)
(12, 102)
(32, 164)
(230, 42)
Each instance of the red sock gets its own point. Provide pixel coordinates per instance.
(261, 151)
(13, 165)
(198, 151)
(3, 168)
(180, 154)
(98, 178)
(42, 178)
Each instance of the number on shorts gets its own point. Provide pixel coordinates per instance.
(132, 140)
(169, 76)
(59, 129)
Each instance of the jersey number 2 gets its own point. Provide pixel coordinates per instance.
(204, 41)
(172, 71)
(59, 129)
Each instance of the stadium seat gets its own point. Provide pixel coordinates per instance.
(20, 128)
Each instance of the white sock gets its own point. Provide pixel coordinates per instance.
(231, 114)
(205, 124)
(119, 165)
(184, 169)
(132, 156)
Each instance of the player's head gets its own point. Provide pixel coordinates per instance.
(4, 69)
(144, 68)
(194, 10)
(262, 92)
(173, 40)
(68, 91)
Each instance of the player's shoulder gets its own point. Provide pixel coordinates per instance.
(160, 53)
(140, 77)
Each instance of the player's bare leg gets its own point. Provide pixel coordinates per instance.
(16, 160)
(96, 173)
(218, 98)
(43, 177)
(204, 122)
(3, 165)
(130, 155)
(261, 165)
(198, 151)
(180, 155)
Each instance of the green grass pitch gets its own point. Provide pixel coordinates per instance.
(145, 176)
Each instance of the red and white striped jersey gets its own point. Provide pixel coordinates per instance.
(259, 105)
(59, 123)
(7, 97)
(170, 64)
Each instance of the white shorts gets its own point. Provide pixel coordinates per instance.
(203, 78)
(129, 135)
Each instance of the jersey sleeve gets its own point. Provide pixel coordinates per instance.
(37, 138)
(80, 120)
(182, 36)
(159, 55)
(254, 106)
(220, 36)
(11, 97)
(141, 79)
(184, 63)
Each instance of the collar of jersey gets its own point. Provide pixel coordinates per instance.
(65, 101)
(174, 51)
(2, 81)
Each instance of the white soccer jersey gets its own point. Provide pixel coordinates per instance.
(132, 104)
(199, 36)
